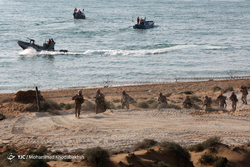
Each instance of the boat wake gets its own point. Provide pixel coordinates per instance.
(153, 51)
(30, 52)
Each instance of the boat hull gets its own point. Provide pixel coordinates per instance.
(145, 25)
(77, 16)
(25, 45)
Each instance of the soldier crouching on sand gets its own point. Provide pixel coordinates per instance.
(78, 103)
(234, 100)
(125, 100)
(187, 103)
(207, 102)
(244, 94)
(162, 101)
(222, 101)
(100, 102)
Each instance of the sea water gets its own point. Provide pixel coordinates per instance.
(191, 40)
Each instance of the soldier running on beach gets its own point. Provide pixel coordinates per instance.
(207, 102)
(244, 94)
(125, 100)
(187, 103)
(222, 101)
(78, 103)
(100, 102)
(234, 100)
(162, 101)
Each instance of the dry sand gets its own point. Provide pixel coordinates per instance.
(118, 129)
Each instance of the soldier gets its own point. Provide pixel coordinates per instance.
(100, 104)
(244, 94)
(207, 102)
(187, 103)
(78, 103)
(125, 100)
(234, 100)
(222, 101)
(162, 101)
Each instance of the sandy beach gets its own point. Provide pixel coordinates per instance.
(119, 129)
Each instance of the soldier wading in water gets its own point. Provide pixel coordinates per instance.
(78, 103)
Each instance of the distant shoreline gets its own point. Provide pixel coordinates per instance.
(113, 84)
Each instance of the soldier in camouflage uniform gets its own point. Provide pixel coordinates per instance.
(162, 101)
(78, 103)
(234, 100)
(187, 103)
(207, 102)
(100, 102)
(244, 94)
(222, 101)
(125, 100)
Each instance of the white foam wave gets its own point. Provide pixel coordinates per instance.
(29, 52)
(120, 52)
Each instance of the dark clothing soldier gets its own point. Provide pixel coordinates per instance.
(222, 101)
(207, 102)
(78, 103)
(187, 103)
(234, 100)
(162, 101)
(138, 20)
(100, 102)
(244, 94)
(125, 100)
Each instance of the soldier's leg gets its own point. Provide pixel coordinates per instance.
(242, 99)
(123, 105)
(233, 106)
(127, 105)
(79, 110)
(75, 110)
(221, 105)
(96, 108)
(103, 107)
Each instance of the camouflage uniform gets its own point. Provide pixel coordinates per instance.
(162, 101)
(222, 101)
(234, 100)
(100, 102)
(125, 100)
(244, 94)
(187, 103)
(78, 103)
(207, 102)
